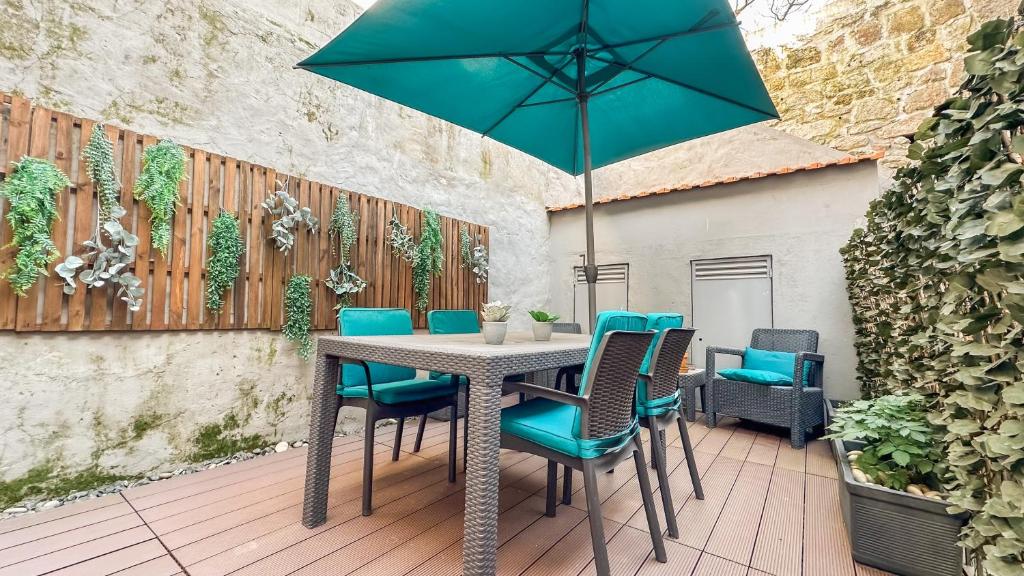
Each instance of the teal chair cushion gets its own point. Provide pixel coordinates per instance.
(549, 424)
(447, 378)
(657, 321)
(374, 322)
(658, 406)
(452, 322)
(403, 390)
(772, 361)
(756, 376)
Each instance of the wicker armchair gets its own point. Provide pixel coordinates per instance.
(797, 407)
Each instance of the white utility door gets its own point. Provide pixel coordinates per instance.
(612, 291)
(731, 297)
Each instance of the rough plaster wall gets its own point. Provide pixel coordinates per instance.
(216, 74)
(800, 219)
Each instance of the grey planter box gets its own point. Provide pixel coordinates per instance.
(897, 531)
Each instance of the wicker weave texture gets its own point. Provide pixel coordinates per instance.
(612, 385)
(666, 361)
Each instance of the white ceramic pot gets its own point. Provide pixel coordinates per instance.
(494, 332)
(542, 331)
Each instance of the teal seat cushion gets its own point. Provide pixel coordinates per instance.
(447, 378)
(374, 322)
(756, 376)
(549, 424)
(772, 361)
(658, 406)
(402, 390)
(452, 322)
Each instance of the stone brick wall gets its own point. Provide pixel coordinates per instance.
(872, 70)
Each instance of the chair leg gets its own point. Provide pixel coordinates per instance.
(371, 421)
(797, 438)
(566, 485)
(664, 443)
(658, 454)
(691, 464)
(648, 497)
(397, 448)
(552, 488)
(596, 523)
(453, 437)
(423, 426)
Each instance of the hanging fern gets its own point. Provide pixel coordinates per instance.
(429, 258)
(225, 247)
(342, 231)
(99, 158)
(163, 167)
(298, 311)
(473, 257)
(31, 191)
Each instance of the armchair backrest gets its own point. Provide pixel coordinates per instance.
(452, 322)
(656, 321)
(606, 322)
(374, 322)
(611, 384)
(669, 347)
(784, 340)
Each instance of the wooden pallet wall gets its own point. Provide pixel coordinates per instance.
(175, 286)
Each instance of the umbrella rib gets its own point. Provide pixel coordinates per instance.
(592, 94)
(663, 37)
(307, 65)
(539, 75)
(546, 81)
(688, 87)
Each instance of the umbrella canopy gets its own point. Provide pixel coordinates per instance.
(578, 84)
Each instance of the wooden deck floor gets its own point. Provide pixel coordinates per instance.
(768, 510)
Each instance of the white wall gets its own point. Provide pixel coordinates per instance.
(801, 219)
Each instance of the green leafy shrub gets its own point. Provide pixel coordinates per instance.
(342, 231)
(31, 191)
(225, 247)
(163, 167)
(298, 313)
(542, 316)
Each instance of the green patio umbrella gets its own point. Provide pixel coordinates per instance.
(578, 84)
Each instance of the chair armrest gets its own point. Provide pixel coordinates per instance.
(548, 393)
(798, 368)
(709, 363)
(366, 369)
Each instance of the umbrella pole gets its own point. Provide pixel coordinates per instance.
(590, 266)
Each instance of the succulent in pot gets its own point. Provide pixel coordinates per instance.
(543, 322)
(495, 324)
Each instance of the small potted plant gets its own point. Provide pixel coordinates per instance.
(542, 324)
(891, 469)
(495, 315)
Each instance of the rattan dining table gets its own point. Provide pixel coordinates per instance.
(486, 366)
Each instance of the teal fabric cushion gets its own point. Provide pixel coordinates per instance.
(550, 423)
(452, 322)
(374, 322)
(447, 378)
(657, 321)
(402, 390)
(772, 361)
(658, 406)
(756, 376)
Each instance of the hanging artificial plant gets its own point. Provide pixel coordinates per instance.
(426, 258)
(342, 231)
(937, 286)
(402, 243)
(31, 191)
(163, 167)
(225, 247)
(106, 264)
(474, 256)
(298, 311)
(287, 217)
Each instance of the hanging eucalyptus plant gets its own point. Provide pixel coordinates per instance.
(163, 167)
(298, 313)
(342, 232)
(225, 248)
(474, 255)
(287, 217)
(936, 281)
(31, 191)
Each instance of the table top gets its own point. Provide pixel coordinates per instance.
(516, 343)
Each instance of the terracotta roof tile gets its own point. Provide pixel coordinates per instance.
(878, 154)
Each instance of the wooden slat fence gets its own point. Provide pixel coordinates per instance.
(175, 286)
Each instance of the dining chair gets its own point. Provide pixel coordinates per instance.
(658, 403)
(591, 431)
(388, 391)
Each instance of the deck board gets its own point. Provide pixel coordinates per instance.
(769, 510)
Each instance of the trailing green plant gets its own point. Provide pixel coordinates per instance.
(298, 313)
(474, 255)
(31, 191)
(402, 243)
(342, 231)
(901, 446)
(936, 280)
(222, 268)
(99, 160)
(287, 217)
(163, 167)
(426, 257)
(542, 316)
(495, 311)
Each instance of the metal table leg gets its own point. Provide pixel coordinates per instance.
(479, 549)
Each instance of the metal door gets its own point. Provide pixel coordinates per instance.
(731, 297)
(612, 291)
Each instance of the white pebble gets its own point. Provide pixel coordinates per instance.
(281, 447)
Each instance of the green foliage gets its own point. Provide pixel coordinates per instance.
(298, 312)
(31, 191)
(219, 440)
(542, 316)
(426, 258)
(936, 280)
(474, 256)
(902, 448)
(402, 243)
(99, 159)
(225, 248)
(342, 231)
(163, 167)
(287, 216)
(44, 482)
